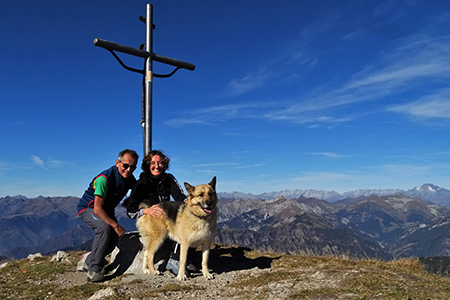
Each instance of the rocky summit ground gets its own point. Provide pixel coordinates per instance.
(228, 265)
(239, 274)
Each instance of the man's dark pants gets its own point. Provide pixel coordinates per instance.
(105, 239)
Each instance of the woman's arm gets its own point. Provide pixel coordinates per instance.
(176, 191)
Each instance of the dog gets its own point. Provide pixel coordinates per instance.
(191, 224)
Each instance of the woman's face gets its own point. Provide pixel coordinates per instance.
(156, 166)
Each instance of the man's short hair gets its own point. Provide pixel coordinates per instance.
(129, 151)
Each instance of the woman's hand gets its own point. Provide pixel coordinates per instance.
(154, 211)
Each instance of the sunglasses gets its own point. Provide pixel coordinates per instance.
(126, 166)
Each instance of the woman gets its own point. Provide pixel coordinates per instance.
(154, 186)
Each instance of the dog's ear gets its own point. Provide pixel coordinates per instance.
(189, 188)
(213, 183)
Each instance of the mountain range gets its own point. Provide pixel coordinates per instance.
(44, 224)
(428, 192)
(368, 225)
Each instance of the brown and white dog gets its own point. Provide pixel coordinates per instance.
(191, 224)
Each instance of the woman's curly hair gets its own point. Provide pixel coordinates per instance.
(146, 161)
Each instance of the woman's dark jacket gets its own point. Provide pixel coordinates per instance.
(151, 191)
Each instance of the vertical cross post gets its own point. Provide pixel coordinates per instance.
(147, 125)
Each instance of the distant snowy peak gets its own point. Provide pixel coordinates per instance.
(431, 192)
(428, 187)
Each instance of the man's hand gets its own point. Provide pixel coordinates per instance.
(119, 230)
(100, 212)
(154, 211)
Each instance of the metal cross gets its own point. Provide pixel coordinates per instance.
(147, 72)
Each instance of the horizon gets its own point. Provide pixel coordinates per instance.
(288, 95)
(258, 194)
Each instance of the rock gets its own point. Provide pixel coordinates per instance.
(109, 291)
(127, 256)
(61, 256)
(80, 265)
(33, 256)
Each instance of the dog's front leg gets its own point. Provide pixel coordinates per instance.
(184, 246)
(206, 246)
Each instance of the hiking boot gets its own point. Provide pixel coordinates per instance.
(191, 267)
(95, 276)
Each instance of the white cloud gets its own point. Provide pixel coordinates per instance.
(222, 113)
(213, 165)
(57, 163)
(250, 166)
(404, 169)
(188, 120)
(417, 58)
(251, 81)
(431, 106)
(323, 180)
(321, 177)
(38, 161)
(4, 167)
(379, 176)
(328, 154)
(418, 62)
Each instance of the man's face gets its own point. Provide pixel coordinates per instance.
(126, 166)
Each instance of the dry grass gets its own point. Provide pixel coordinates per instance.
(333, 278)
(295, 277)
(34, 279)
(168, 288)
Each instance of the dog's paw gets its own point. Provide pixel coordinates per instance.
(181, 277)
(148, 271)
(208, 276)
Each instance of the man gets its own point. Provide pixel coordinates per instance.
(97, 209)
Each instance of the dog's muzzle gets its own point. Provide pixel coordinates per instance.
(207, 208)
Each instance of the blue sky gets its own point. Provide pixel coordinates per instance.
(329, 95)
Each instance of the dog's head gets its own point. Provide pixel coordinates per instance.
(202, 199)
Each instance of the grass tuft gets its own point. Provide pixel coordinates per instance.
(34, 279)
(333, 278)
(168, 288)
